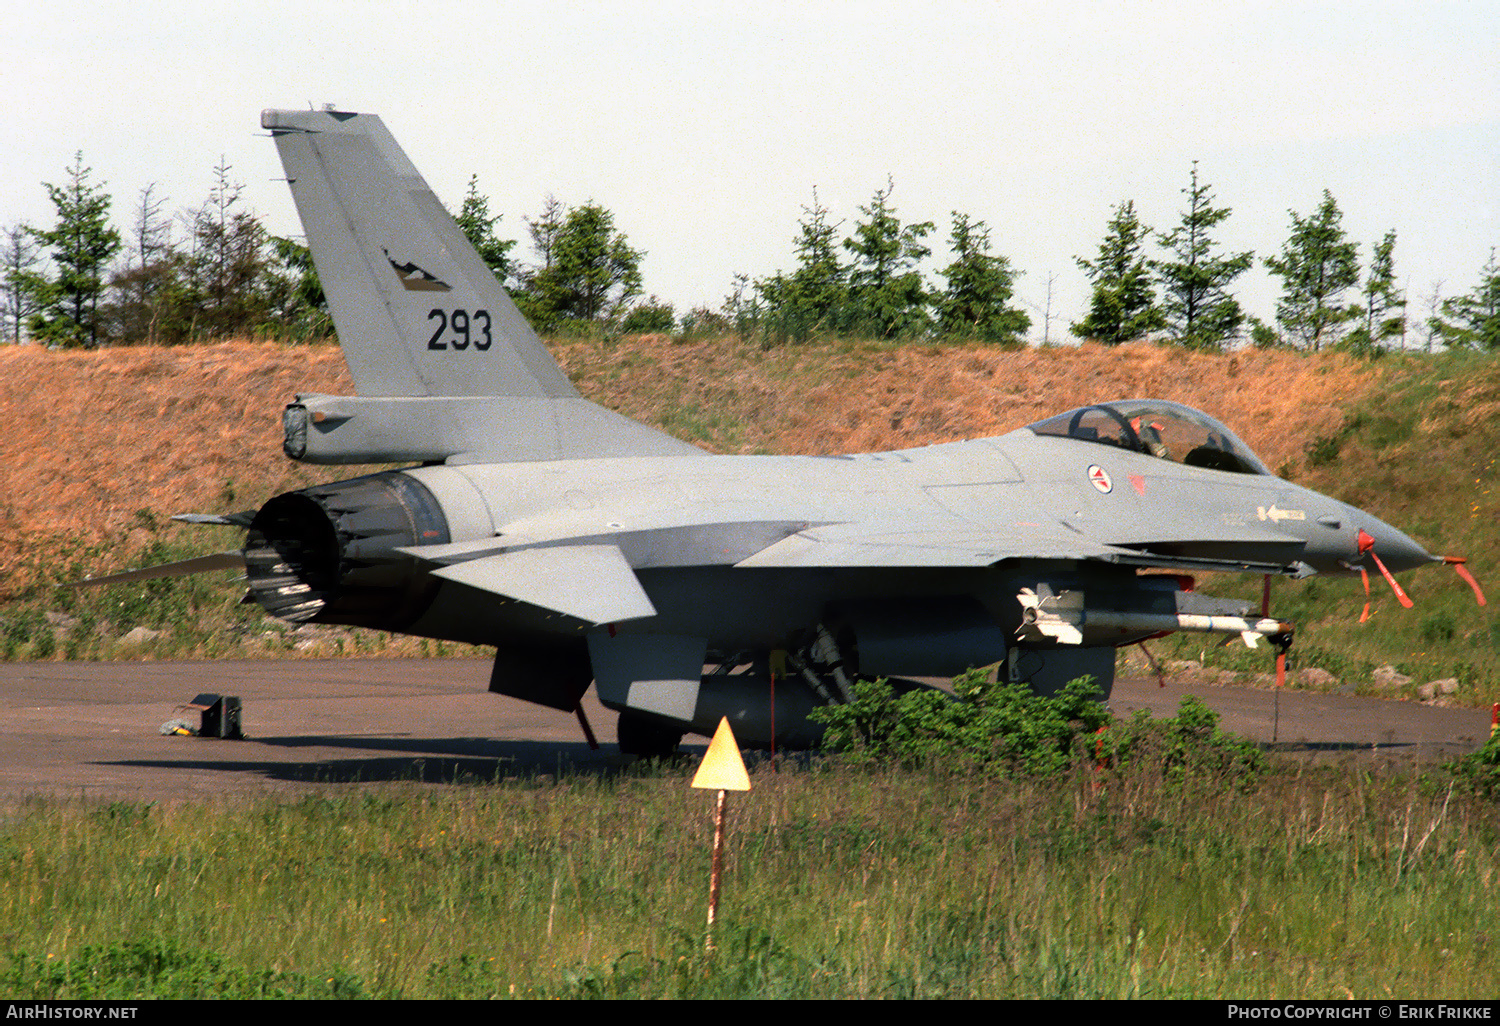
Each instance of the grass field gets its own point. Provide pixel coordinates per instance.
(841, 882)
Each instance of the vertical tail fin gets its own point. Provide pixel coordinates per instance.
(417, 311)
(447, 367)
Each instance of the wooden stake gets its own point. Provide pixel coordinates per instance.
(718, 869)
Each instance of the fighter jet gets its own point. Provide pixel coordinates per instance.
(589, 548)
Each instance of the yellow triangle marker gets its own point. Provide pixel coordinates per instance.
(723, 769)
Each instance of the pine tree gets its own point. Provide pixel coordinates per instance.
(229, 262)
(887, 296)
(980, 284)
(81, 244)
(474, 221)
(1380, 298)
(150, 296)
(591, 273)
(1123, 307)
(1432, 325)
(530, 281)
(742, 308)
(1474, 320)
(1317, 266)
(545, 227)
(18, 257)
(816, 294)
(1194, 301)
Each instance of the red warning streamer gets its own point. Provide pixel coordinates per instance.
(1457, 563)
(1367, 544)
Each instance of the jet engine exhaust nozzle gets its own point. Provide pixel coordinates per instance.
(327, 554)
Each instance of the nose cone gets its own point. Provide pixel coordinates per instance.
(1340, 537)
(1395, 549)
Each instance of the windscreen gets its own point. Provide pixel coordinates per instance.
(1155, 427)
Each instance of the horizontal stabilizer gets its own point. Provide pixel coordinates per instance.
(590, 582)
(231, 560)
(240, 519)
(449, 553)
(332, 429)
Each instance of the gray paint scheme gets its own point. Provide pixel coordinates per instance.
(571, 537)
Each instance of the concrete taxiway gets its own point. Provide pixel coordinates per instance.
(92, 729)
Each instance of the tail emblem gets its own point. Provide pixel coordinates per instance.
(414, 279)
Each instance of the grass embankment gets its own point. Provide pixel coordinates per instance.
(102, 447)
(841, 883)
(1419, 450)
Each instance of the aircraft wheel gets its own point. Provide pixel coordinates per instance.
(647, 737)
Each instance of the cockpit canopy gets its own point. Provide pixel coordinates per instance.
(1168, 431)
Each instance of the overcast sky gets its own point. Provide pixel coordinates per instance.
(705, 127)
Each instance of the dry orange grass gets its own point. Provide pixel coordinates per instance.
(90, 438)
(1276, 401)
(822, 399)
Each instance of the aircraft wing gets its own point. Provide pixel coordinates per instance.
(594, 577)
(916, 545)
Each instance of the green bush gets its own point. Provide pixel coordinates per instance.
(1188, 744)
(1324, 450)
(1479, 772)
(1008, 728)
(997, 725)
(749, 964)
(653, 315)
(1439, 627)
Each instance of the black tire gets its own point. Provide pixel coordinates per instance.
(647, 737)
